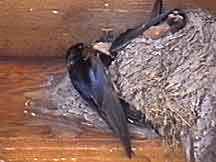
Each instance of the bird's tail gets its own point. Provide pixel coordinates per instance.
(116, 118)
(109, 106)
(127, 146)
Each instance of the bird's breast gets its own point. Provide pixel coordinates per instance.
(157, 32)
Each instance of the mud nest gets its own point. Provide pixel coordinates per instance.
(172, 79)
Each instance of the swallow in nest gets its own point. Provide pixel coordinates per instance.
(159, 25)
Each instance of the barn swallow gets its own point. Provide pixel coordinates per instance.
(90, 78)
(169, 21)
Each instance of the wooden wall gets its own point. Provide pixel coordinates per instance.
(47, 28)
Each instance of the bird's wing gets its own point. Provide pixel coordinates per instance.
(110, 108)
(125, 38)
(81, 82)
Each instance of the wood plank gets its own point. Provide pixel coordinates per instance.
(83, 149)
(47, 28)
(26, 138)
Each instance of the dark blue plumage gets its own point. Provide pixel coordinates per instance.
(88, 76)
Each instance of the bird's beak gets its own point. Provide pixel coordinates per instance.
(102, 47)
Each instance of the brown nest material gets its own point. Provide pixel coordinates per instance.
(173, 79)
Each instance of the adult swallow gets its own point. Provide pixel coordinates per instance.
(169, 21)
(90, 78)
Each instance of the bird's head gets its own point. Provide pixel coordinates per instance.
(176, 19)
(74, 54)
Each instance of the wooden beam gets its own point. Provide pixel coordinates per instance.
(48, 28)
(104, 149)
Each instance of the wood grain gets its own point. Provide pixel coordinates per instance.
(25, 138)
(83, 149)
(48, 28)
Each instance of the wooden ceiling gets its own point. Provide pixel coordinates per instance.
(48, 28)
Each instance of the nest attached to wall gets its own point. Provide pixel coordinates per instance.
(168, 78)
